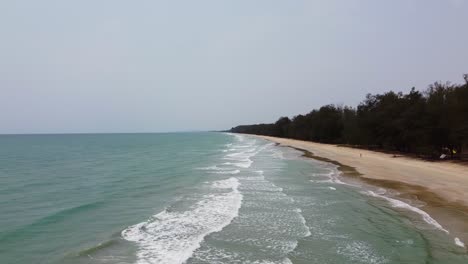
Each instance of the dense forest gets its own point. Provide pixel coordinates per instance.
(429, 123)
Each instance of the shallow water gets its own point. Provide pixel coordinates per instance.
(198, 198)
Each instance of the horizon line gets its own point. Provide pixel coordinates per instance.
(100, 133)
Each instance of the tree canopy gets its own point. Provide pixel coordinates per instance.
(426, 123)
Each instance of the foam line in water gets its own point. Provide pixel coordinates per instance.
(361, 252)
(284, 261)
(333, 177)
(172, 237)
(218, 170)
(246, 153)
(232, 172)
(304, 222)
(215, 168)
(459, 243)
(244, 164)
(399, 204)
(239, 137)
(231, 183)
(241, 159)
(278, 154)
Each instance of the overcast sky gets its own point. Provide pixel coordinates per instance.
(152, 66)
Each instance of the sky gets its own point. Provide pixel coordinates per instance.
(158, 66)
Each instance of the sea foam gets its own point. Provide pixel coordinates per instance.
(172, 237)
(232, 172)
(459, 243)
(399, 204)
(361, 252)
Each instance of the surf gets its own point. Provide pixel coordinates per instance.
(171, 237)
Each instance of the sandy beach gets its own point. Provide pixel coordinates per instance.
(441, 186)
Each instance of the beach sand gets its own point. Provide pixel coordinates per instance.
(441, 186)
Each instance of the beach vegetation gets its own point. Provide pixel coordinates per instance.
(428, 123)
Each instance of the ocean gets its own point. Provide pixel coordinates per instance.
(198, 198)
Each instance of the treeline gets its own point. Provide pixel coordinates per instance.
(429, 123)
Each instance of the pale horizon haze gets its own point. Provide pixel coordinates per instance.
(159, 66)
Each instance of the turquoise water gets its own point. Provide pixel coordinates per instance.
(197, 198)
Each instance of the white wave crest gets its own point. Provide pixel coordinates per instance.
(399, 204)
(333, 177)
(232, 172)
(172, 237)
(304, 222)
(215, 168)
(244, 164)
(459, 243)
(361, 252)
(239, 137)
(231, 183)
(241, 159)
(284, 261)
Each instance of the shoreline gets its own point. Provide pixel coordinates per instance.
(445, 200)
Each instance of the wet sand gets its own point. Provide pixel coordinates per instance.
(442, 187)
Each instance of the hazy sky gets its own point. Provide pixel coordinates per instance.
(140, 66)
